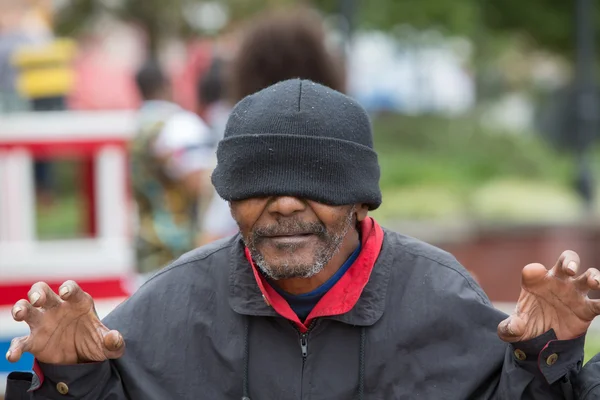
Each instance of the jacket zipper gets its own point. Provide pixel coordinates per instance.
(304, 346)
(304, 340)
(304, 350)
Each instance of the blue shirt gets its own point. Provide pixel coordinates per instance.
(302, 304)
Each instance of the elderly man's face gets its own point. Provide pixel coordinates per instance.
(290, 237)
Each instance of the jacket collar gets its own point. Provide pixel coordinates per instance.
(358, 298)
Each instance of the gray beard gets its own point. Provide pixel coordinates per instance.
(287, 271)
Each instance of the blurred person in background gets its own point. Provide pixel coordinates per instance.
(216, 221)
(21, 23)
(171, 159)
(283, 44)
(212, 96)
(274, 46)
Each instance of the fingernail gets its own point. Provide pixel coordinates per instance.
(63, 291)
(7, 355)
(16, 311)
(572, 266)
(35, 296)
(597, 280)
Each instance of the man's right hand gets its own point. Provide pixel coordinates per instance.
(65, 328)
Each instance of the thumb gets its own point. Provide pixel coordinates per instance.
(114, 344)
(511, 329)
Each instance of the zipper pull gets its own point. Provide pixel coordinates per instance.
(304, 345)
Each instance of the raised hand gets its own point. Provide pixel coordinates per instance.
(65, 328)
(553, 299)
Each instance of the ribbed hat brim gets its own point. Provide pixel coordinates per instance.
(328, 170)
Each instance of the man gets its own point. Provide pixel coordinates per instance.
(171, 157)
(314, 300)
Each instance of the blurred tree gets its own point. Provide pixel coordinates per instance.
(457, 16)
(71, 19)
(549, 23)
(159, 18)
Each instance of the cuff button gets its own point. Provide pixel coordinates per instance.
(62, 388)
(551, 360)
(520, 355)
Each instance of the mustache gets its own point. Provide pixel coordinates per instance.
(290, 227)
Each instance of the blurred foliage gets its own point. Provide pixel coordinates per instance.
(438, 168)
(160, 19)
(458, 16)
(438, 149)
(549, 23)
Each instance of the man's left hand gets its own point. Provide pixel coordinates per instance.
(553, 299)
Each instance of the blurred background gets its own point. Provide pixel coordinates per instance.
(485, 118)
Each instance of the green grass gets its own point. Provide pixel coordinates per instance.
(437, 168)
(437, 150)
(592, 345)
(61, 220)
(429, 149)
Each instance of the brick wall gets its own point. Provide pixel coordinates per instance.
(496, 255)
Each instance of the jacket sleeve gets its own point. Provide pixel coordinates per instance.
(541, 368)
(587, 383)
(97, 381)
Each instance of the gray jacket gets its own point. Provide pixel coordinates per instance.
(422, 329)
(587, 385)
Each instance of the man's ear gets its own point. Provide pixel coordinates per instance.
(361, 212)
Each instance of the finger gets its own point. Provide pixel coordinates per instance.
(24, 311)
(18, 346)
(71, 292)
(567, 264)
(114, 344)
(533, 273)
(589, 280)
(40, 295)
(511, 329)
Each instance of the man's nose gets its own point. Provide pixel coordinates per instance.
(286, 205)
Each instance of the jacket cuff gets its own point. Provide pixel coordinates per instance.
(70, 381)
(17, 385)
(546, 355)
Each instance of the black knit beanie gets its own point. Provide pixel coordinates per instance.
(298, 138)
